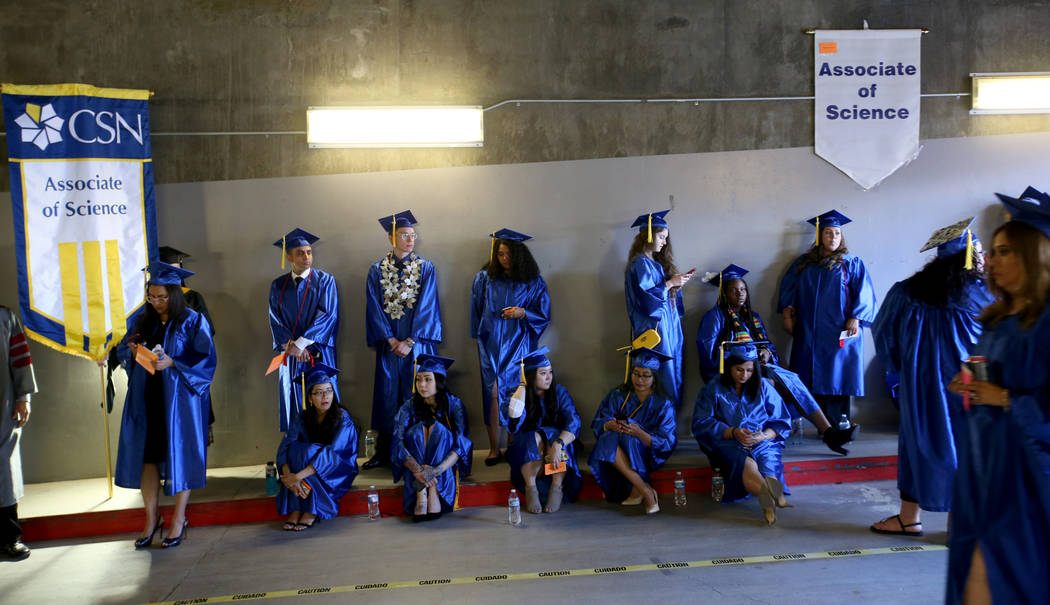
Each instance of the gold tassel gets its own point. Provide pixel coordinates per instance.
(304, 390)
(492, 249)
(721, 287)
(284, 245)
(721, 358)
(393, 231)
(522, 370)
(650, 227)
(969, 251)
(817, 242)
(627, 370)
(415, 370)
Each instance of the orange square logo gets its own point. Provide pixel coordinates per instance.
(828, 48)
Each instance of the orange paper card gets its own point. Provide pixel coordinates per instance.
(829, 48)
(275, 363)
(549, 469)
(146, 358)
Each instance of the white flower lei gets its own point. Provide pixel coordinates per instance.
(400, 291)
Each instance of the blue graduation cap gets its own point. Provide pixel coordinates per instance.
(731, 272)
(510, 234)
(831, 218)
(318, 373)
(398, 220)
(296, 238)
(433, 363)
(1032, 208)
(644, 357)
(163, 274)
(536, 359)
(746, 350)
(651, 220)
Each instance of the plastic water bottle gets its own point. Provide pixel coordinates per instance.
(370, 443)
(514, 509)
(844, 423)
(679, 489)
(718, 486)
(796, 431)
(373, 503)
(271, 478)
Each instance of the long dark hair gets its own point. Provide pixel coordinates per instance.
(523, 267)
(815, 255)
(665, 257)
(942, 280)
(1032, 249)
(533, 404)
(751, 386)
(426, 413)
(322, 432)
(150, 319)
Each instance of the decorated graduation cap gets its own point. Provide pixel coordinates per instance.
(397, 221)
(162, 274)
(172, 255)
(1032, 208)
(646, 340)
(651, 220)
(316, 374)
(831, 218)
(296, 238)
(746, 350)
(952, 240)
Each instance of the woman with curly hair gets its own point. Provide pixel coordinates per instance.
(510, 308)
(653, 288)
(825, 292)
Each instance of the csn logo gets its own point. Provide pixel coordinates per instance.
(42, 126)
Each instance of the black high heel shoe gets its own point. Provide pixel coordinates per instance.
(145, 542)
(173, 542)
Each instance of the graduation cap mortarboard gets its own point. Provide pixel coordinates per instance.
(831, 218)
(171, 255)
(1032, 208)
(644, 357)
(746, 350)
(163, 274)
(731, 272)
(433, 363)
(510, 234)
(397, 221)
(317, 374)
(651, 220)
(952, 240)
(536, 359)
(296, 238)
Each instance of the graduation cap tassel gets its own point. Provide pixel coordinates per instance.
(393, 230)
(969, 251)
(627, 369)
(415, 370)
(304, 390)
(721, 287)
(816, 241)
(492, 249)
(284, 246)
(650, 227)
(522, 370)
(721, 358)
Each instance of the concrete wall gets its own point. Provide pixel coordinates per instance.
(742, 207)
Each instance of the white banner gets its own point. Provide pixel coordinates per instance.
(866, 120)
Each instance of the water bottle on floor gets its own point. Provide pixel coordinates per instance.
(370, 443)
(514, 509)
(796, 432)
(271, 478)
(679, 489)
(373, 503)
(844, 423)
(718, 486)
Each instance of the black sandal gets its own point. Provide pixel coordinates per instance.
(901, 532)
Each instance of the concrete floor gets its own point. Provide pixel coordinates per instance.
(227, 560)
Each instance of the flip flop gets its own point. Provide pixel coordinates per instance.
(894, 532)
(306, 526)
(289, 525)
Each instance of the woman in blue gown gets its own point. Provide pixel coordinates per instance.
(543, 424)
(999, 545)
(635, 427)
(318, 455)
(164, 429)
(741, 422)
(733, 320)
(432, 447)
(653, 288)
(928, 323)
(825, 292)
(509, 310)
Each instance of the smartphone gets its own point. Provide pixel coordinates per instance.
(620, 416)
(691, 271)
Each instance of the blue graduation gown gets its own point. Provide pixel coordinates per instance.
(318, 321)
(823, 300)
(188, 342)
(650, 307)
(656, 417)
(422, 321)
(1002, 488)
(522, 447)
(718, 408)
(409, 440)
(503, 342)
(924, 345)
(713, 331)
(336, 466)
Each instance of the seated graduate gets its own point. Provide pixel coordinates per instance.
(431, 442)
(733, 320)
(318, 455)
(635, 427)
(741, 422)
(543, 423)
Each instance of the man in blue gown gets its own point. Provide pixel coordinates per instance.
(403, 320)
(304, 319)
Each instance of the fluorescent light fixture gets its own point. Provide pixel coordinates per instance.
(1027, 92)
(410, 126)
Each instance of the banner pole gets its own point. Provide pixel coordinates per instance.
(105, 424)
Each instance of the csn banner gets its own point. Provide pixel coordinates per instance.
(867, 101)
(84, 216)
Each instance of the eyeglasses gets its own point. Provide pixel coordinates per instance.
(323, 392)
(407, 236)
(157, 298)
(645, 376)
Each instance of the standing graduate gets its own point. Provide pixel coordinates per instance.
(999, 545)
(163, 433)
(304, 320)
(402, 320)
(318, 455)
(825, 292)
(926, 325)
(509, 310)
(653, 289)
(17, 385)
(432, 447)
(635, 427)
